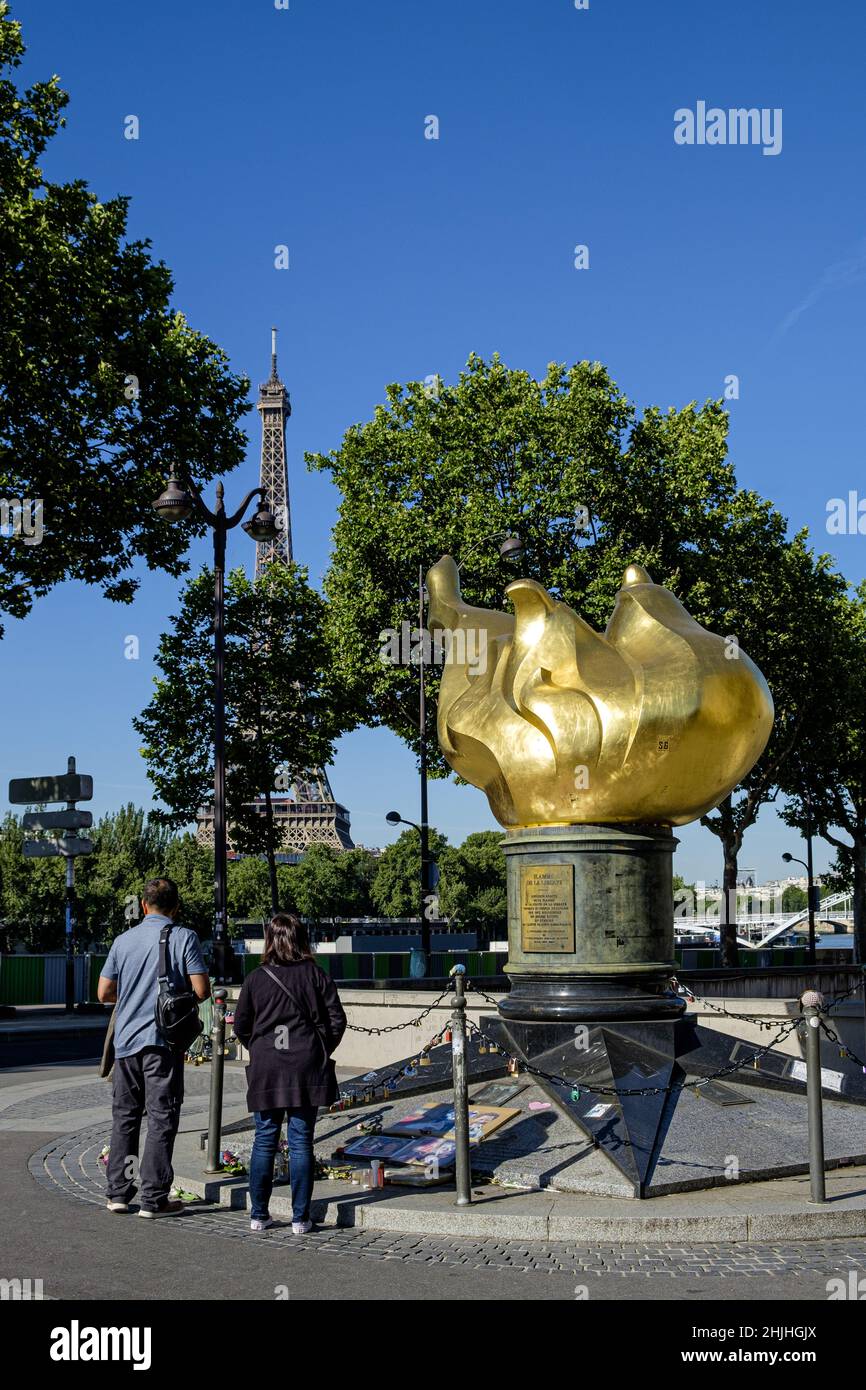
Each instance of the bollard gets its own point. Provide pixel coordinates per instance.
(462, 1163)
(217, 1061)
(812, 1003)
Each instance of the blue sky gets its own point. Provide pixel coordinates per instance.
(305, 126)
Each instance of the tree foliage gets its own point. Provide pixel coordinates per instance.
(103, 383)
(130, 847)
(31, 893)
(472, 889)
(283, 708)
(590, 486)
(330, 883)
(397, 884)
(825, 779)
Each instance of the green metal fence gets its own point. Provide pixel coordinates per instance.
(348, 966)
(22, 979)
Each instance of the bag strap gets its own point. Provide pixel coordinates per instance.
(277, 981)
(308, 1018)
(162, 976)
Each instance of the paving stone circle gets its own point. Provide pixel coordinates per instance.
(69, 1166)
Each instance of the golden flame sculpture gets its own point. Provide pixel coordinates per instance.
(654, 722)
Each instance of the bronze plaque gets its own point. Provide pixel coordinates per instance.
(547, 908)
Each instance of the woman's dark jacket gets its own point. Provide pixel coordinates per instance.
(290, 1041)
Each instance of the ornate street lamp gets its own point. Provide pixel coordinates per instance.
(178, 502)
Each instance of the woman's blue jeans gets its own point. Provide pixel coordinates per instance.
(299, 1133)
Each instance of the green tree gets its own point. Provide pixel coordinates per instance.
(397, 884)
(129, 848)
(282, 703)
(358, 870)
(103, 382)
(329, 883)
(781, 605)
(317, 884)
(31, 893)
(589, 486)
(473, 888)
(825, 780)
(793, 899)
(249, 890)
(190, 864)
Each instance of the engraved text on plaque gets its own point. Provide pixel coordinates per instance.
(547, 908)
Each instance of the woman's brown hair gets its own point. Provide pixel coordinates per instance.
(286, 940)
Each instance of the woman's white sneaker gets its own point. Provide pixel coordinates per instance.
(301, 1228)
(265, 1225)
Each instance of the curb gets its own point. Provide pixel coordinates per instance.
(37, 1033)
(546, 1221)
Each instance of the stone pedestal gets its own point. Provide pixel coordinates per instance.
(590, 924)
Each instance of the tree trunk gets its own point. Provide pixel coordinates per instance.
(728, 933)
(859, 899)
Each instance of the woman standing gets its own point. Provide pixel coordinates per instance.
(290, 1018)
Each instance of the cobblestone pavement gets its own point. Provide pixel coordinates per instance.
(70, 1166)
(95, 1095)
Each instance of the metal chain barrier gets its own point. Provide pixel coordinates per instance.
(414, 1022)
(575, 1085)
(395, 1027)
(385, 1083)
(763, 1021)
(840, 998)
(844, 1050)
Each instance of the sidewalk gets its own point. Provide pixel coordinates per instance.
(50, 1021)
(778, 1210)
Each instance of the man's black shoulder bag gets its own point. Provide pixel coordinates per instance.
(176, 1014)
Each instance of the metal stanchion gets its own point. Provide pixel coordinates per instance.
(463, 1166)
(812, 1004)
(217, 1062)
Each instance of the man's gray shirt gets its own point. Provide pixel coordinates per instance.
(133, 962)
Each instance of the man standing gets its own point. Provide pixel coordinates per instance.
(148, 1071)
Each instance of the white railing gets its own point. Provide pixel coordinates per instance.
(758, 929)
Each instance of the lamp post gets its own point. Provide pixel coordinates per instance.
(176, 503)
(812, 890)
(511, 547)
(420, 959)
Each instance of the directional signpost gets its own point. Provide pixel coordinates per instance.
(74, 786)
(57, 820)
(71, 787)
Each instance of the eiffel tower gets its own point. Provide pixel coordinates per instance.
(309, 813)
(275, 408)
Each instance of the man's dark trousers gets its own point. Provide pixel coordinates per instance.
(149, 1081)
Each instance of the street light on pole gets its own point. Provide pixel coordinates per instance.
(419, 959)
(177, 503)
(511, 547)
(812, 892)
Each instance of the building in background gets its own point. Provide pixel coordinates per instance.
(308, 812)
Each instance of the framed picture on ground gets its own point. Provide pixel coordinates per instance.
(439, 1119)
(374, 1146)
